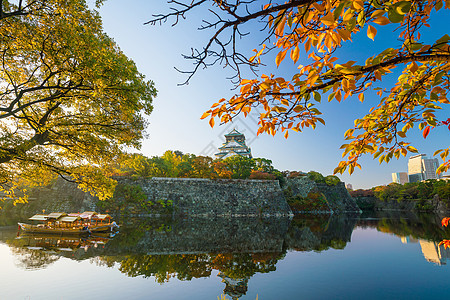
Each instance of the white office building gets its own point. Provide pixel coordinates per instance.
(422, 168)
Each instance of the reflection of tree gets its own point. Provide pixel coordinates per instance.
(188, 266)
(33, 259)
(421, 226)
(164, 267)
(243, 265)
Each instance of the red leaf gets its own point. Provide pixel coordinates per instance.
(445, 221)
(426, 131)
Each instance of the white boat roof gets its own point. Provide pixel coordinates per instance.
(69, 219)
(56, 215)
(102, 216)
(38, 217)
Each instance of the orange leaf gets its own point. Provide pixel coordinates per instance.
(445, 221)
(211, 122)
(381, 21)
(371, 32)
(358, 4)
(204, 115)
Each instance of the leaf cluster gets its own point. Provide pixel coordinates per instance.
(70, 100)
(312, 32)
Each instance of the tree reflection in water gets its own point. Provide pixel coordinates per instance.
(33, 259)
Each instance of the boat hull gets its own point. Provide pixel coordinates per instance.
(54, 231)
(104, 228)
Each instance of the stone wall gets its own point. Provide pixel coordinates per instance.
(220, 197)
(337, 197)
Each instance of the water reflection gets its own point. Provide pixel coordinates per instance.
(236, 249)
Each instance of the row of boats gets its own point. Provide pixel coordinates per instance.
(88, 222)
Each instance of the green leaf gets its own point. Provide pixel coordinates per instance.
(317, 96)
(394, 16)
(331, 96)
(402, 7)
(442, 40)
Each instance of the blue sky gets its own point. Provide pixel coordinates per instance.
(175, 122)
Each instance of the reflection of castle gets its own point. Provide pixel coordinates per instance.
(434, 253)
(235, 288)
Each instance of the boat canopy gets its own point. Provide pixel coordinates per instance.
(102, 217)
(69, 219)
(38, 217)
(87, 215)
(56, 215)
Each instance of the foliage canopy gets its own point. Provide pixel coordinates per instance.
(317, 29)
(70, 100)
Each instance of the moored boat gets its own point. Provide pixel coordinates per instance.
(70, 224)
(46, 229)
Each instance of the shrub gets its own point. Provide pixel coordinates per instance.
(332, 180)
(295, 174)
(261, 175)
(316, 177)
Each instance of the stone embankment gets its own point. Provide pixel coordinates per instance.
(194, 197)
(220, 197)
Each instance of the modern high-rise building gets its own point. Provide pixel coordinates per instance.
(400, 177)
(422, 168)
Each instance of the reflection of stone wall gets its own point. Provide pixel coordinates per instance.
(220, 197)
(205, 235)
(320, 232)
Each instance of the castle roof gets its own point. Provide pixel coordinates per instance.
(233, 144)
(233, 132)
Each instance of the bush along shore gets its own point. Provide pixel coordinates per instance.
(426, 196)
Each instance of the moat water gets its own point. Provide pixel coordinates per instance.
(382, 256)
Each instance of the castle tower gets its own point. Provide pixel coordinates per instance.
(234, 145)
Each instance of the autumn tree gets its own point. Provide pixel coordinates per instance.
(70, 100)
(313, 32)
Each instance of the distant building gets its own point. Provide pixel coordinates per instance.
(422, 168)
(400, 177)
(349, 186)
(234, 145)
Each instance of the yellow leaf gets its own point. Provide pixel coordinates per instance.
(295, 54)
(211, 122)
(280, 57)
(328, 19)
(371, 32)
(412, 149)
(264, 86)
